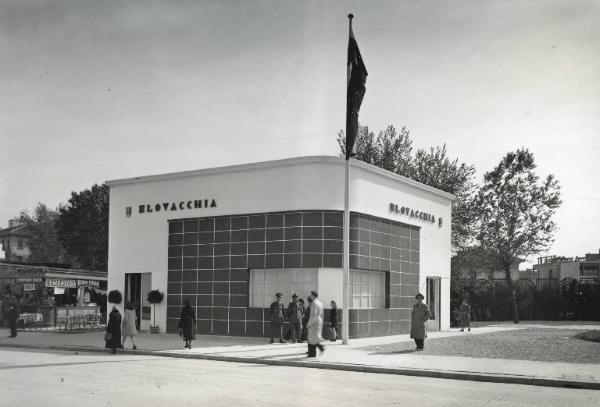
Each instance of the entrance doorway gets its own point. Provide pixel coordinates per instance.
(433, 300)
(137, 286)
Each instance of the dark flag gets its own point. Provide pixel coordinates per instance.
(357, 76)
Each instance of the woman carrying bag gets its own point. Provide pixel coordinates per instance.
(187, 320)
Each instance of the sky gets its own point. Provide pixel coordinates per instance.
(92, 91)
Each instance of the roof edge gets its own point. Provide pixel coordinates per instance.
(224, 169)
(279, 163)
(403, 179)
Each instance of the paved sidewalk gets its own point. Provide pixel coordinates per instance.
(340, 357)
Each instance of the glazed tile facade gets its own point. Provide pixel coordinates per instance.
(210, 258)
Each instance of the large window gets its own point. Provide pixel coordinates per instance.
(367, 289)
(264, 284)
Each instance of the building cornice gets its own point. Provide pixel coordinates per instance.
(286, 162)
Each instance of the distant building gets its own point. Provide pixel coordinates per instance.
(553, 269)
(500, 275)
(473, 266)
(15, 241)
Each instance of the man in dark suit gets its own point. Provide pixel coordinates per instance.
(295, 313)
(277, 311)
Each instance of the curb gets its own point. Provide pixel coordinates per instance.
(438, 374)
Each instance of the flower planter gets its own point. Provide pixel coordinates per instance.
(154, 329)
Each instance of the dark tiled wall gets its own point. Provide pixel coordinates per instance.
(382, 245)
(209, 260)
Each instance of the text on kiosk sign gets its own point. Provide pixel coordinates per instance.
(55, 282)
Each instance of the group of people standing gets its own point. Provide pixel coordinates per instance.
(306, 321)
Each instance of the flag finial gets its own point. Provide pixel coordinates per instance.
(350, 16)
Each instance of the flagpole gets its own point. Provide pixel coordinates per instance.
(346, 310)
(346, 278)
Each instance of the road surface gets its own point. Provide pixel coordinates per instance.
(43, 378)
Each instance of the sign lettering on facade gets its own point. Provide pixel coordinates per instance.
(173, 206)
(415, 213)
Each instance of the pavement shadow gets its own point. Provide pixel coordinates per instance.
(395, 352)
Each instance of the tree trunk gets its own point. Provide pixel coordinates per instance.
(513, 294)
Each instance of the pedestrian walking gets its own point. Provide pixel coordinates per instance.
(128, 329)
(420, 315)
(187, 322)
(277, 311)
(295, 312)
(305, 317)
(465, 315)
(315, 325)
(112, 337)
(12, 315)
(334, 322)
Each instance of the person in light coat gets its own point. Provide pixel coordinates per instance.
(128, 328)
(420, 315)
(315, 326)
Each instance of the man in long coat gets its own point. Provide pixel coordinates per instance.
(315, 326)
(187, 324)
(420, 315)
(277, 311)
(12, 315)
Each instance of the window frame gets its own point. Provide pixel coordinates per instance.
(268, 288)
(367, 293)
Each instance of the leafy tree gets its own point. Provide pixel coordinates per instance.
(83, 227)
(393, 151)
(43, 241)
(390, 150)
(471, 261)
(436, 169)
(515, 212)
